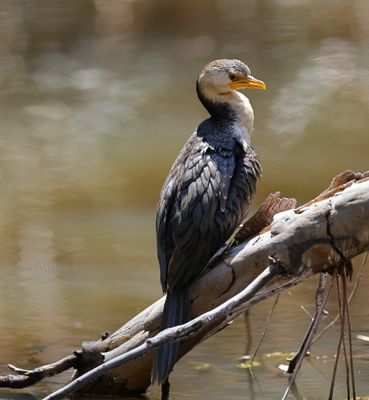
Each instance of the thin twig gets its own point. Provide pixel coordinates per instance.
(339, 343)
(267, 322)
(27, 378)
(352, 294)
(246, 318)
(171, 334)
(349, 339)
(322, 293)
(321, 298)
(342, 306)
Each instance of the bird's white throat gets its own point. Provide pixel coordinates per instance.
(238, 103)
(244, 122)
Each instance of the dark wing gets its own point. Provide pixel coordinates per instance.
(243, 187)
(196, 213)
(179, 179)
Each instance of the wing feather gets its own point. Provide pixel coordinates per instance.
(205, 197)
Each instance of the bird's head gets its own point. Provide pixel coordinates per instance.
(217, 88)
(221, 77)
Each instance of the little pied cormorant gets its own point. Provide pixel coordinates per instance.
(207, 193)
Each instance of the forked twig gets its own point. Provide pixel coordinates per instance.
(25, 378)
(324, 288)
(322, 293)
(171, 334)
(350, 297)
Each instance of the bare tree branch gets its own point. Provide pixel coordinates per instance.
(172, 334)
(326, 232)
(30, 377)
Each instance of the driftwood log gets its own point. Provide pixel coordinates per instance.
(324, 233)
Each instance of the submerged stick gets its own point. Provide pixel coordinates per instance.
(345, 299)
(172, 334)
(305, 240)
(342, 305)
(267, 322)
(350, 297)
(27, 378)
(341, 339)
(321, 297)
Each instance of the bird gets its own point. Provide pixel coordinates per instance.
(206, 194)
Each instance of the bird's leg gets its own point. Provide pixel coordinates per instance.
(165, 389)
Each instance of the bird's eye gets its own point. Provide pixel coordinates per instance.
(232, 77)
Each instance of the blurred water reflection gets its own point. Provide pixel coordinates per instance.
(96, 99)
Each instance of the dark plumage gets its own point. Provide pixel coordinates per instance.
(206, 194)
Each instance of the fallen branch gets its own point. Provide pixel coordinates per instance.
(179, 332)
(30, 377)
(311, 239)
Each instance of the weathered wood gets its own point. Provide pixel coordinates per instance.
(313, 238)
(309, 239)
(179, 332)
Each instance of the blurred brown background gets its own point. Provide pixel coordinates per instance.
(96, 99)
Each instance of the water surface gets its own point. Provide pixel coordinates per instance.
(97, 98)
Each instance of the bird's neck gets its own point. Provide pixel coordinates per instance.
(230, 108)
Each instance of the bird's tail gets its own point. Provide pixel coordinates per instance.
(175, 313)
